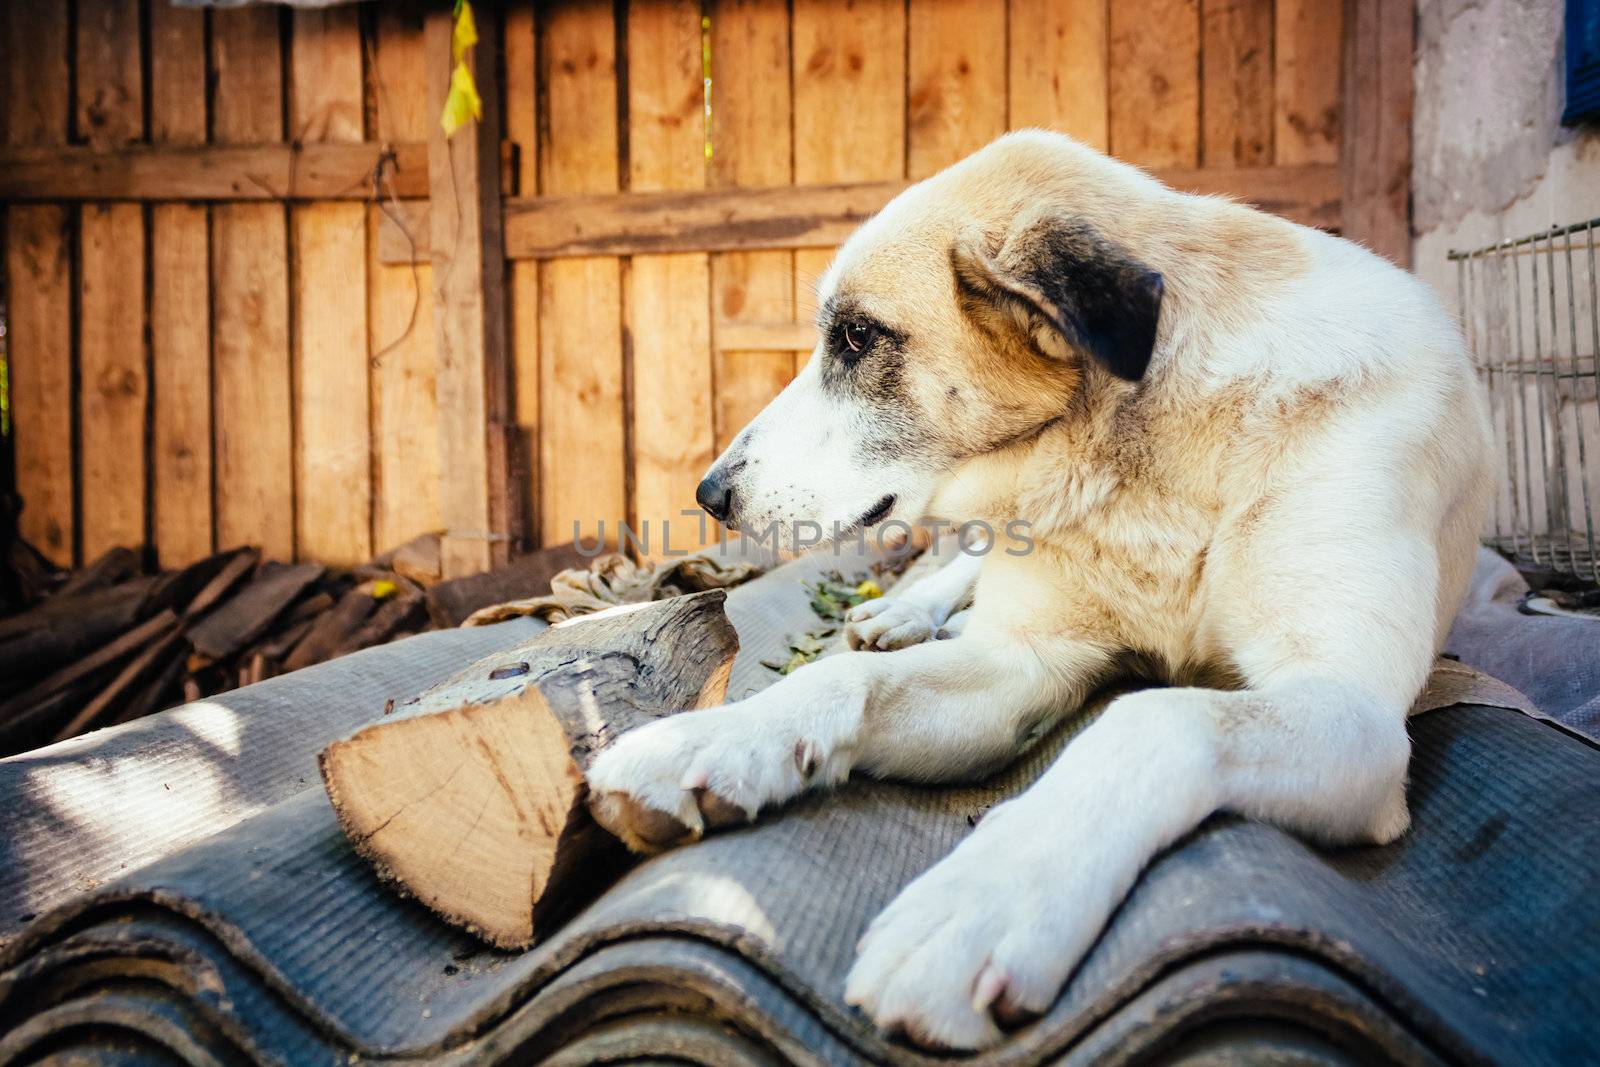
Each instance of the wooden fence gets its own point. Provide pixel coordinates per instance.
(254, 295)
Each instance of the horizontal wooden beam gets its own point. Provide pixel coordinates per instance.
(817, 216)
(623, 224)
(765, 336)
(1306, 193)
(213, 172)
(715, 220)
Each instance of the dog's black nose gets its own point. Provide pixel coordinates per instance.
(716, 496)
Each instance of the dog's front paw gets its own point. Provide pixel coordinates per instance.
(665, 784)
(984, 938)
(883, 625)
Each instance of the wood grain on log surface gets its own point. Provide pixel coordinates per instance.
(473, 798)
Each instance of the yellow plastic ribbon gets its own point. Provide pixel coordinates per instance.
(463, 101)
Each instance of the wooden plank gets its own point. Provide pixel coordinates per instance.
(117, 564)
(1236, 95)
(329, 629)
(34, 71)
(250, 301)
(333, 447)
(956, 78)
(46, 637)
(164, 173)
(668, 298)
(849, 110)
(1305, 82)
(110, 93)
(247, 98)
(469, 309)
(113, 365)
(849, 82)
(552, 227)
(181, 410)
(1057, 76)
(582, 446)
(180, 303)
(177, 77)
(405, 416)
(248, 614)
(812, 216)
(748, 338)
(107, 655)
(1155, 82)
(674, 441)
(529, 575)
(1306, 194)
(325, 77)
(39, 351)
(157, 653)
(180, 588)
(113, 377)
(1376, 135)
(521, 50)
(35, 74)
(240, 562)
(751, 116)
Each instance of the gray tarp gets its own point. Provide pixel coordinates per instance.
(178, 889)
(1555, 660)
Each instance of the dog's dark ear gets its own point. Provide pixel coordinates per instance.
(1090, 291)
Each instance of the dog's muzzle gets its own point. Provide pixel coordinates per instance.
(715, 495)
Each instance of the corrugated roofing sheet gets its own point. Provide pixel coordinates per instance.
(245, 930)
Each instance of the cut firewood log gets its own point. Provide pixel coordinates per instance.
(115, 566)
(417, 561)
(218, 587)
(150, 661)
(34, 576)
(32, 715)
(394, 614)
(48, 636)
(308, 609)
(180, 588)
(106, 656)
(35, 724)
(276, 646)
(473, 799)
(247, 614)
(163, 690)
(125, 600)
(331, 630)
(449, 603)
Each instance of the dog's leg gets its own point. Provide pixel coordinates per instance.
(992, 931)
(1305, 603)
(933, 712)
(916, 615)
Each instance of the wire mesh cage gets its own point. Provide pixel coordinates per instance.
(1529, 309)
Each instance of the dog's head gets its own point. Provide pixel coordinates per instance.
(961, 318)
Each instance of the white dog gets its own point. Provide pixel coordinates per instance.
(1253, 458)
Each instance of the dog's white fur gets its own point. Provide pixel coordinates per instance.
(1284, 509)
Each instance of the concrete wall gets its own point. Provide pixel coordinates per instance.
(1490, 158)
(1490, 162)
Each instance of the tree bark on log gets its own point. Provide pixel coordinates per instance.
(474, 800)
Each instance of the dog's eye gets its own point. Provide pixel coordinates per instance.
(858, 336)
